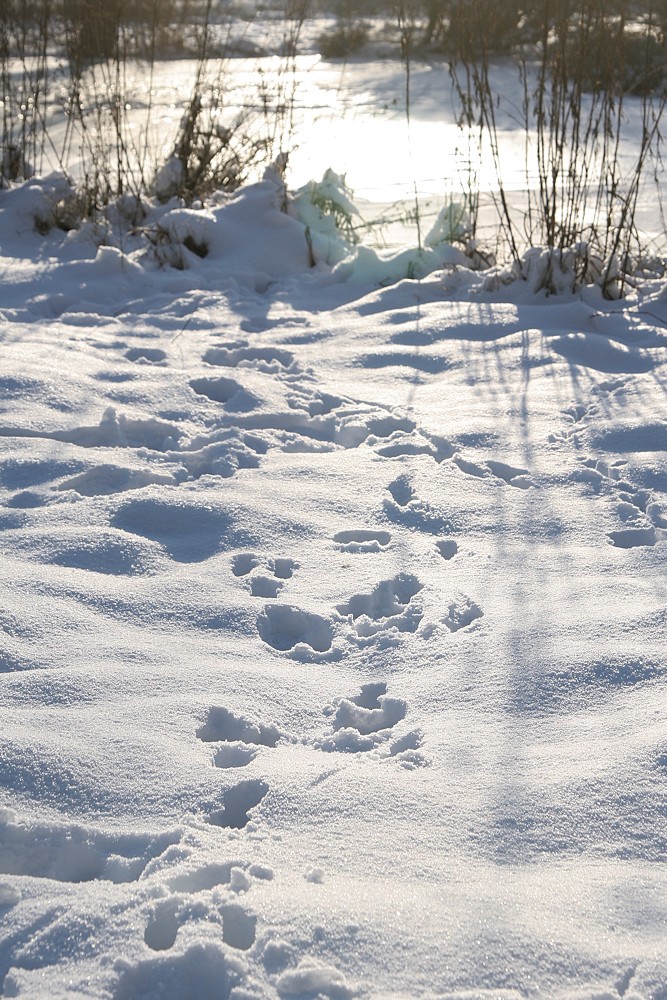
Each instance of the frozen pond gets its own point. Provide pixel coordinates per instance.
(351, 116)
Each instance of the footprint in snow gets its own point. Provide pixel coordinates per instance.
(447, 547)
(371, 711)
(237, 804)
(229, 873)
(280, 569)
(74, 854)
(190, 531)
(411, 441)
(404, 507)
(362, 540)
(518, 477)
(238, 738)
(110, 552)
(366, 722)
(501, 471)
(113, 431)
(289, 629)
(164, 924)
(315, 404)
(238, 926)
(146, 355)
(180, 975)
(641, 516)
(574, 417)
(388, 606)
(226, 391)
(462, 613)
(107, 479)
(402, 491)
(264, 359)
(630, 538)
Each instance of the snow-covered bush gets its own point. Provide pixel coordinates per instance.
(42, 202)
(209, 155)
(452, 225)
(177, 231)
(573, 113)
(559, 272)
(327, 211)
(368, 266)
(74, 57)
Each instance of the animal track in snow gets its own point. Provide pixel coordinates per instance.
(244, 563)
(21, 474)
(316, 404)
(221, 452)
(635, 507)
(118, 431)
(238, 801)
(162, 929)
(264, 586)
(406, 750)
(353, 423)
(470, 468)
(447, 547)
(283, 568)
(238, 927)
(239, 737)
(280, 567)
(286, 628)
(405, 507)
(107, 551)
(401, 491)
(628, 538)
(362, 540)
(362, 723)
(368, 712)
(365, 722)
(226, 391)
(146, 355)
(233, 755)
(205, 878)
(389, 606)
(179, 976)
(576, 416)
(265, 359)
(416, 443)
(461, 614)
(602, 353)
(508, 474)
(428, 363)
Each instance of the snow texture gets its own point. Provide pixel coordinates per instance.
(332, 621)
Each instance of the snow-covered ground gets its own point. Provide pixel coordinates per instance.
(332, 649)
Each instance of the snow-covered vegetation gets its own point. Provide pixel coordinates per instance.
(332, 609)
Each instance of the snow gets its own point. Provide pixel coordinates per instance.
(332, 648)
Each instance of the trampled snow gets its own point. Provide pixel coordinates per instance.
(332, 622)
